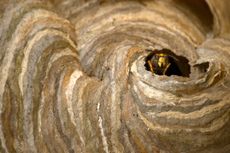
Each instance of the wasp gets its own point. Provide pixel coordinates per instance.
(162, 62)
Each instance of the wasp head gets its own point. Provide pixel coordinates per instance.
(164, 62)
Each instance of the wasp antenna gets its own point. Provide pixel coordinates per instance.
(166, 68)
(150, 66)
(174, 57)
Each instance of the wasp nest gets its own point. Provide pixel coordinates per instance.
(73, 76)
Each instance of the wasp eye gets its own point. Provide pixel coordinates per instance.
(165, 62)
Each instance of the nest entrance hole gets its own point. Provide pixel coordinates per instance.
(172, 63)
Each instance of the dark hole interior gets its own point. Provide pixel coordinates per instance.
(202, 68)
(178, 65)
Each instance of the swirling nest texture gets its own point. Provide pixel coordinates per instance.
(72, 76)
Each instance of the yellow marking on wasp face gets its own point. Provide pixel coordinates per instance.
(162, 61)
